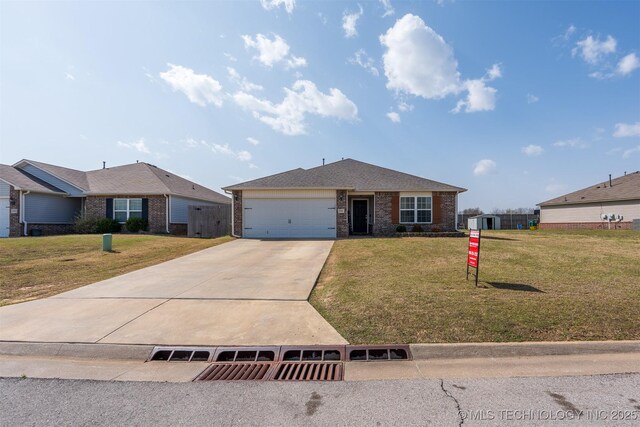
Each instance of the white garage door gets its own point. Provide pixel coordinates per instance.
(289, 218)
(4, 217)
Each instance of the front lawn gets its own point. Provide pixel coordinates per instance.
(38, 267)
(534, 286)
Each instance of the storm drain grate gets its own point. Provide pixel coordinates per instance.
(308, 371)
(366, 353)
(235, 372)
(182, 354)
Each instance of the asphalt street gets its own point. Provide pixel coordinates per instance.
(584, 400)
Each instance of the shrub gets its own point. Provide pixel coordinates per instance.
(417, 229)
(85, 224)
(107, 225)
(401, 229)
(136, 224)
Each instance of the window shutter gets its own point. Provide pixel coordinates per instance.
(395, 208)
(109, 211)
(145, 209)
(436, 207)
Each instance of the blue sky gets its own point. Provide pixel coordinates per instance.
(517, 101)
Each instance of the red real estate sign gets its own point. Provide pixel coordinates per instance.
(474, 248)
(473, 253)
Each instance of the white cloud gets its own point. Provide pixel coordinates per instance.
(495, 72)
(484, 167)
(245, 85)
(625, 130)
(593, 50)
(252, 166)
(69, 76)
(350, 21)
(272, 51)
(242, 155)
(394, 117)
(388, 8)
(628, 64)
(480, 97)
(569, 32)
(138, 146)
(404, 107)
(269, 51)
(253, 141)
(230, 57)
(532, 150)
(419, 62)
(296, 62)
(570, 143)
(201, 89)
(365, 61)
(555, 188)
(289, 5)
(628, 153)
(288, 117)
(532, 99)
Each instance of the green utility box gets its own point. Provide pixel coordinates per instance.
(107, 242)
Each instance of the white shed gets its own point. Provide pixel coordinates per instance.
(484, 222)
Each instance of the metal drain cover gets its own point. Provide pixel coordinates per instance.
(236, 372)
(308, 371)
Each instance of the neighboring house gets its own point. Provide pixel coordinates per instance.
(339, 199)
(585, 208)
(47, 198)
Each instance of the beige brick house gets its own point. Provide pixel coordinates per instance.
(340, 199)
(44, 198)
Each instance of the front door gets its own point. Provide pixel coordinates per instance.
(360, 216)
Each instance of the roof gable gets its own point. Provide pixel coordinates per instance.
(347, 174)
(72, 177)
(23, 181)
(626, 187)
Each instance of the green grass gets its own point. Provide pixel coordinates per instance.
(534, 286)
(38, 267)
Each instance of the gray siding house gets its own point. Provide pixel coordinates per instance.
(47, 198)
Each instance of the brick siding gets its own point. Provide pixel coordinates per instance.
(50, 229)
(178, 229)
(383, 207)
(342, 219)
(237, 213)
(97, 206)
(15, 227)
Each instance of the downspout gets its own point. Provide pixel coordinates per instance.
(167, 202)
(22, 209)
(233, 222)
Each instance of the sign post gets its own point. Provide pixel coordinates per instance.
(473, 253)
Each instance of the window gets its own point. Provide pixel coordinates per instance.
(415, 209)
(123, 209)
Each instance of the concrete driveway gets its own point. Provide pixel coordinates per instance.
(245, 292)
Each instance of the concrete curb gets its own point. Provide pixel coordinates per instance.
(521, 349)
(76, 350)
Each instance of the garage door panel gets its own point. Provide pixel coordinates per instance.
(289, 218)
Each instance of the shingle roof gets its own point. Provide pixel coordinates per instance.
(23, 181)
(143, 178)
(346, 174)
(626, 187)
(132, 179)
(72, 176)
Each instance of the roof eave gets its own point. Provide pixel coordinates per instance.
(583, 202)
(24, 161)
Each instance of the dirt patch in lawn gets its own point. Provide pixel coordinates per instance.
(38, 267)
(534, 286)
